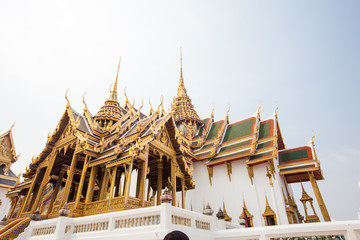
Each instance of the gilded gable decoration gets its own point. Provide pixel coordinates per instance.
(246, 215)
(269, 215)
(227, 217)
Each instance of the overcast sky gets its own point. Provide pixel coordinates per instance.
(302, 55)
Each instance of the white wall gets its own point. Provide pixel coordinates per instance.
(233, 193)
(5, 202)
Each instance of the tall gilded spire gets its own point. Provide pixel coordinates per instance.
(110, 112)
(113, 95)
(182, 107)
(181, 89)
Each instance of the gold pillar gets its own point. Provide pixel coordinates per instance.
(112, 181)
(148, 191)
(70, 175)
(173, 180)
(160, 166)
(143, 177)
(90, 189)
(28, 193)
(183, 193)
(319, 198)
(13, 205)
(56, 190)
(104, 183)
(33, 182)
(81, 183)
(45, 180)
(117, 183)
(128, 172)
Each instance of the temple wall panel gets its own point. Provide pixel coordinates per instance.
(233, 192)
(5, 202)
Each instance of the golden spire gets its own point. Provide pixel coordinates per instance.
(182, 108)
(181, 74)
(113, 95)
(110, 112)
(181, 89)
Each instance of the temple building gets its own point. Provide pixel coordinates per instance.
(8, 179)
(121, 159)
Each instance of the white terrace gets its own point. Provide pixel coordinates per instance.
(155, 222)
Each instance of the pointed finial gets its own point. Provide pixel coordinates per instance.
(161, 103)
(181, 88)
(142, 104)
(68, 103)
(113, 95)
(267, 202)
(227, 114)
(84, 98)
(302, 187)
(126, 97)
(12, 126)
(244, 205)
(313, 145)
(312, 138)
(181, 74)
(151, 109)
(212, 112)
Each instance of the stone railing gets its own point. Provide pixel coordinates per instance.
(149, 220)
(155, 222)
(337, 230)
(138, 221)
(44, 230)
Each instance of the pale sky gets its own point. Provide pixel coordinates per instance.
(302, 55)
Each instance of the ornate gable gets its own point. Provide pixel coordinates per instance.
(7, 150)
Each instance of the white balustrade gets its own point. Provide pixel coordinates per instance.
(137, 221)
(156, 222)
(43, 230)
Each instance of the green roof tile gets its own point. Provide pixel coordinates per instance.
(265, 129)
(293, 155)
(239, 129)
(214, 130)
(257, 156)
(264, 145)
(234, 154)
(235, 145)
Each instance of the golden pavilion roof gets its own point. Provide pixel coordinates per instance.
(182, 108)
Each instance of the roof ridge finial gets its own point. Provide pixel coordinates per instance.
(113, 95)
(212, 112)
(67, 100)
(12, 126)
